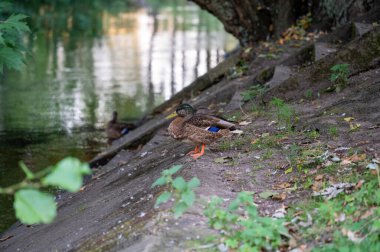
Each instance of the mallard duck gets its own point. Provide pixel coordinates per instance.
(200, 129)
(117, 129)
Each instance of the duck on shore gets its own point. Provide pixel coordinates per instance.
(200, 129)
(117, 129)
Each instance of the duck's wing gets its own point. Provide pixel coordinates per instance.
(201, 120)
(200, 135)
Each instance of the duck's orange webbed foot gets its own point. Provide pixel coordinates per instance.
(197, 155)
(195, 151)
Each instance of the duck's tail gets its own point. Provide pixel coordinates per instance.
(225, 125)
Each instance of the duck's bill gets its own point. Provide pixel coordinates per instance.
(174, 114)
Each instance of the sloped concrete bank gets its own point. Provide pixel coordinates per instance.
(115, 210)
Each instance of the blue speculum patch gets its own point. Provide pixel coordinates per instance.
(213, 129)
(125, 131)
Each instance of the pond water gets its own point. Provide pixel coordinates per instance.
(131, 61)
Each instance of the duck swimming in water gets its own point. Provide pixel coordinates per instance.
(200, 129)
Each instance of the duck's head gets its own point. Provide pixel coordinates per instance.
(114, 116)
(182, 111)
(185, 110)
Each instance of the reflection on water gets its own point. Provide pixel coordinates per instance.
(60, 103)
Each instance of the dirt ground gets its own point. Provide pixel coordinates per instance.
(284, 155)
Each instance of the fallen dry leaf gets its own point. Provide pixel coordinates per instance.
(346, 161)
(368, 213)
(357, 158)
(244, 123)
(348, 119)
(359, 184)
(280, 197)
(317, 185)
(354, 126)
(282, 186)
(353, 236)
(319, 177)
(254, 141)
(373, 172)
(289, 170)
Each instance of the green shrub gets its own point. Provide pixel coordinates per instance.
(179, 189)
(339, 75)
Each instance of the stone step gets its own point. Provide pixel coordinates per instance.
(281, 73)
(322, 49)
(361, 28)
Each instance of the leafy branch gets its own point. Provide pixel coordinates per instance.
(12, 47)
(33, 206)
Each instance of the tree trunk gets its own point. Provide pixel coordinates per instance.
(253, 20)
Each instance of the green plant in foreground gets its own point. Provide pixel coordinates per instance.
(12, 47)
(33, 206)
(339, 75)
(241, 226)
(179, 189)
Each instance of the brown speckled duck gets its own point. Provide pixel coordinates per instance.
(117, 129)
(200, 129)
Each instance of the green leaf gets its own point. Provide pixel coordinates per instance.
(16, 23)
(160, 181)
(179, 183)
(218, 225)
(188, 197)
(172, 170)
(232, 243)
(179, 209)
(67, 174)
(289, 170)
(2, 41)
(245, 197)
(33, 206)
(11, 58)
(193, 183)
(164, 197)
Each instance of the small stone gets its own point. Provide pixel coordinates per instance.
(222, 248)
(372, 166)
(335, 159)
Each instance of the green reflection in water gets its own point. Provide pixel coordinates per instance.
(87, 59)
